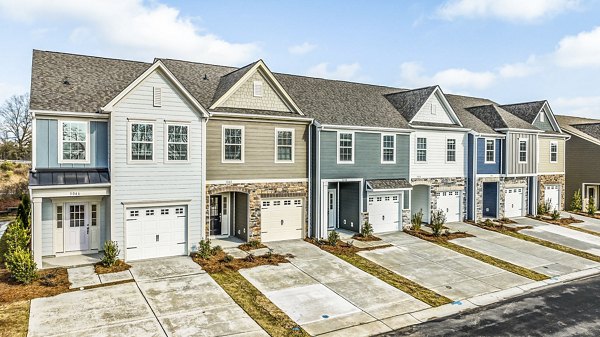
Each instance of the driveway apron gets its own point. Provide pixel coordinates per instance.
(561, 235)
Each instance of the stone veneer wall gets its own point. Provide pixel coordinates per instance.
(444, 185)
(256, 192)
(552, 179)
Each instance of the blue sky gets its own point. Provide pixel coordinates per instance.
(509, 51)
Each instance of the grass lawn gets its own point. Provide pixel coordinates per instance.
(14, 319)
(513, 268)
(348, 252)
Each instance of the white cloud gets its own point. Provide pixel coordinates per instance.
(584, 106)
(302, 49)
(452, 79)
(510, 10)
(520, 69)
(133, 27)
(580, 50)
(341, 72)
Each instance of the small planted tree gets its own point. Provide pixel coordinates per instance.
(21, 266)
(555, 215)
(111, 253)
(332, 238)
(24, 210)
(367, 230)
(416, 220)
(576, 203)
(591, 206)
(204, 250)
(438, 219)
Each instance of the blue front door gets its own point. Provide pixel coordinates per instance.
(490, 200)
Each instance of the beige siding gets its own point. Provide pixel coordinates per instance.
(259, 152)
(244, 98)
(545, 165)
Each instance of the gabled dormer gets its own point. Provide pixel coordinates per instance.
(424, 107)
(538, 114)
(253, 87)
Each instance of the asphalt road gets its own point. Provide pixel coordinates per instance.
(569, 309)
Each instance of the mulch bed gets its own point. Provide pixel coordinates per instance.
(341, 248)
(560, 222)
(218, 263)
(596, 216)
(506, 221)
(444, 236)
(361, 237)
(120, 265)
(497, 226)
(248, 246)
(49, 283)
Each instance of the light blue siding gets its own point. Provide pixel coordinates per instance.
(47, 145)
(545, 125)
(47, 227)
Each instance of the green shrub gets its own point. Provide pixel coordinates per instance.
(438, 219)
(591, 206)
(19, 263)
(111, 253)
(204, 250)
(417, 220)
(254, 243)
(541, 209)
(367, 229)
(577, 203)
(216, 250)
(250, 258)
(332, 238)
(555, 215)
(228, 258)
(7, 166)
(16, 236)
(24, 210)
(489, 223)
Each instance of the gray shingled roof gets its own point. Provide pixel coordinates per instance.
(388, 184)
(67, 82)
(409, 102)
(461, 104)
(228, 81)
(589, 126)
(498, 118)
(526, 111)
(590, 129)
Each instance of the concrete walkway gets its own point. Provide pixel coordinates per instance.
(519, 252)
(326, 295)
(588, 223)
(170, 297)
(442, 270)
(561, 235)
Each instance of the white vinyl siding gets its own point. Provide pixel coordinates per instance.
(490, 151)
(141, 141)
(522, 151)
(388, 149)
(233, 144)
(553, 152)
(73, 142)
(421, 149)
(450, 150)
(177, 142)
(433, 111)
(435, 153)
(345, 148)
(284, 145)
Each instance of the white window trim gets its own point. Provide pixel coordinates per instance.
(130, 160)
(338, 147)
(553, 143)
(455, 150)
(394, 148)
(519, 150)
(255, 85)
(542, 116)
(60, 143)
(293, 131)
(166, 142)
(417, 151)
(485, 150)
(241, 127)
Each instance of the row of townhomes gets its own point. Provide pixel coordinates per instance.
(158, 156)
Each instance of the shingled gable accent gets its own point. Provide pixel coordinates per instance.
(231, 82)
(157, 66)
(500, 119)
(530, 111)
(410, 104)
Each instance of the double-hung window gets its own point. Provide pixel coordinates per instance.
(421, 149)
(450, 150)
(554, 152)
(177, 142)
(284, 145)
(522, 151)
(233, 144)
(490, 151)
(388, 149)
(345, 147)
(74, 142)
(142, 141)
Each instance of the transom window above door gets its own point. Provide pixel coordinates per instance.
(284, 145)
(142, 142)
(74, 142)
(233, 144)
(177, 142)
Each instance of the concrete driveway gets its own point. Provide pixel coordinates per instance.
(324, 294)
(561, 235)
(170, 297)
(519, 252)
(588, 223)
(442, 270)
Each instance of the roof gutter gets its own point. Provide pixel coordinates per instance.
(256, 116)
(519, 130)
(50, 113)
(445, 128)
(331, 127)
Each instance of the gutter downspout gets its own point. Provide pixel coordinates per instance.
(310, 178)
(317, 182)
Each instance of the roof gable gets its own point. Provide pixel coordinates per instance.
(499, 119)
(240, 82)
(585, 128)
(461, 105)
(525, 111)
(427, 106)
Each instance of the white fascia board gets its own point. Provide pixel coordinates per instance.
(223, 114)
(444, 128)
(89, 115)
(520, 130)
(331, 127)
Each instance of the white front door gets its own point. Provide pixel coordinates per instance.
(384, 212)
(449, 202)
(331, 209)
(513, 202)
(552, 196)
(77, 228)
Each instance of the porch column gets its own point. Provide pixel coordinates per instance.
(36, 231)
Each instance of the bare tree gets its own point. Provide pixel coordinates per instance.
(15, 124)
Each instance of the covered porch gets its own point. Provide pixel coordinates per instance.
(589, 192)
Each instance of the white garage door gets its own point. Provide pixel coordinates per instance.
(513, 202)
(281, 219)
(384, 212)
(552, 195)
(156, 232)
(449, 202)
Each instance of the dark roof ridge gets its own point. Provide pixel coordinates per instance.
(520, 103)
(404, 91)
(92, 56)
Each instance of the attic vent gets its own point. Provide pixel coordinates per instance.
(433, 109)
(157, 101)
(258, 88)
(542, 117)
